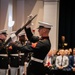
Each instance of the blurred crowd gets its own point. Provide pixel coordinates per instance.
(60, 61)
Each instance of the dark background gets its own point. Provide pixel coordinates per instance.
(67, 21)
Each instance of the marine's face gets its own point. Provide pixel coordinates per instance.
(41, 31)
(21, 38)
(2, 36)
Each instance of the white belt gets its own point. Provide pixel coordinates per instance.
(14, 54)
(37, 60)
(21, 54)
(5, 55)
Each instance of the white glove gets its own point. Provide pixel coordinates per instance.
(13, 37)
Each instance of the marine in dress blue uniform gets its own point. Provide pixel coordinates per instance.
(39, 46)
(14, 57)
(22, 55)
(3, 53)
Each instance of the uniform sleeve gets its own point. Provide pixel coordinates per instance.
(30, 36)
(35, 46)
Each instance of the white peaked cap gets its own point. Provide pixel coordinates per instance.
(22, 33)
(4, 31)
(44, 24)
